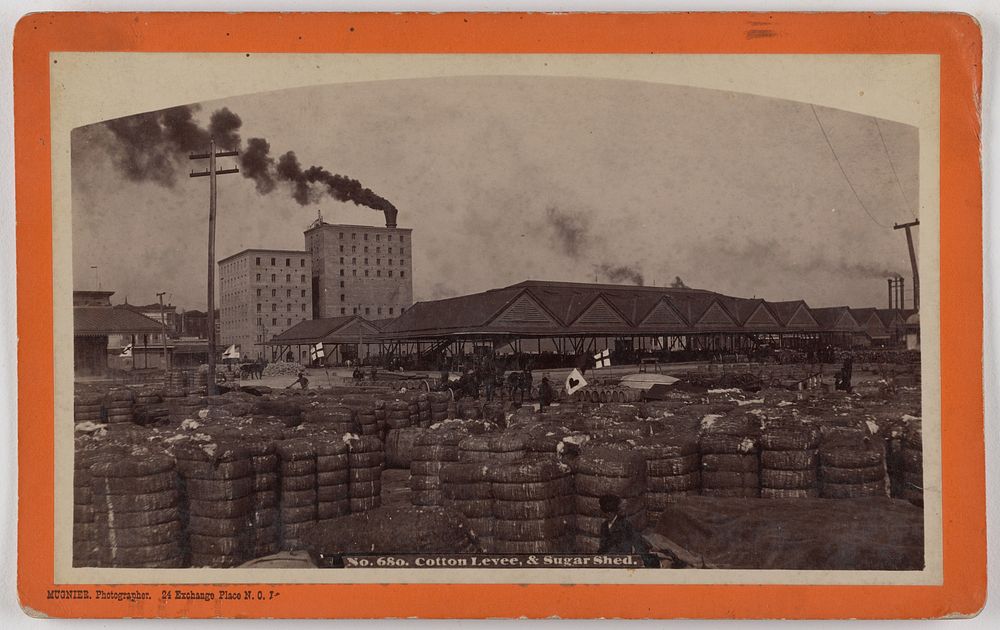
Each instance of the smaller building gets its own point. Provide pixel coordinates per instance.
(262, 292)
(95, 321)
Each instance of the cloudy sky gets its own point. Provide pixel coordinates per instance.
(510, 178)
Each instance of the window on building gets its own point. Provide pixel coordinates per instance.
(303, 292)
(341, 249)
(343, 310)
(390, 273)
(390, 261)
(274, 278)
(390, 250)
(258, 292)
(389, 238)
(288, 262)
(288, 308)
(258, 277)
(368, 311)
(288, 277)
(366, 249)
(274, 306)
(378, 237)
(378, 261)
(366, 237)
(258, 321)
(354, 261)
(402, 274)
(302, 262)
(354, 272)
(380, 310)
(274, 292)
(354, 236)
(354, 249)
(390, 310)
(288, 293)
(401, 238)
(366, 273)
(342, 260)
(302, 278)
(303, 309)
(289, 321)
(401, 263)
(343, 298)
(272, 261)
(402, 251)
(341, 236)
(341, 273)
(258, 261)
(274, 321)
(258, 307)
(378, 272)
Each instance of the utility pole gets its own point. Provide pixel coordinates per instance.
(163, 327)
(97, 276)
(211, 173)
(913, 260)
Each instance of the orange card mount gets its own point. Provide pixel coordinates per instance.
(132, 473)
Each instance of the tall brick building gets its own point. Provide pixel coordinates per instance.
(360, 270)
(262, 292)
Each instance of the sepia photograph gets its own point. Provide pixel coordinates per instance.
(501, 320)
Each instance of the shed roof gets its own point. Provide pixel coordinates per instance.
(107, 320)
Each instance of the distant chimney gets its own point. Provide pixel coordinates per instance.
(390, 217)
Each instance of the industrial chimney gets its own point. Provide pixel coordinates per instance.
(390, 217)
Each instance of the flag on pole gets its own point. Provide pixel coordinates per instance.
(126, 351)
(316, 352)
(602, 359)
(232, 352)
(575, 382)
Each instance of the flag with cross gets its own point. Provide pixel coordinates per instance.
(316, 352)
(602, 359)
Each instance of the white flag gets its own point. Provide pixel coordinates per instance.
(602, 359)
(575, 382)
(126, 351)
(232, 352)
(316, 352)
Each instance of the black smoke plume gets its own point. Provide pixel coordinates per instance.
(339, 187)
(153, 146)
(620, 273)
(257, 164)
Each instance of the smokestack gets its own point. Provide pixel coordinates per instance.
(902, 292)
(390, 217)
(889, 280)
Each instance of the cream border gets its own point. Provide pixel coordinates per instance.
(89, 87)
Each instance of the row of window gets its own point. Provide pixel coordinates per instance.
(288, 293)
(378, 237)
(378, 250)
(378, 261)
(378, 273)
(274, 307)
(288, 277)
(288, 262)
(274, 321)
(367, 310)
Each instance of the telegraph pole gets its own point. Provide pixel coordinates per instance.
(211, 173)
(163, 327)
(913, 261)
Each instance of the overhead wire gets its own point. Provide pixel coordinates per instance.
(844, 172)
(895, 175)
